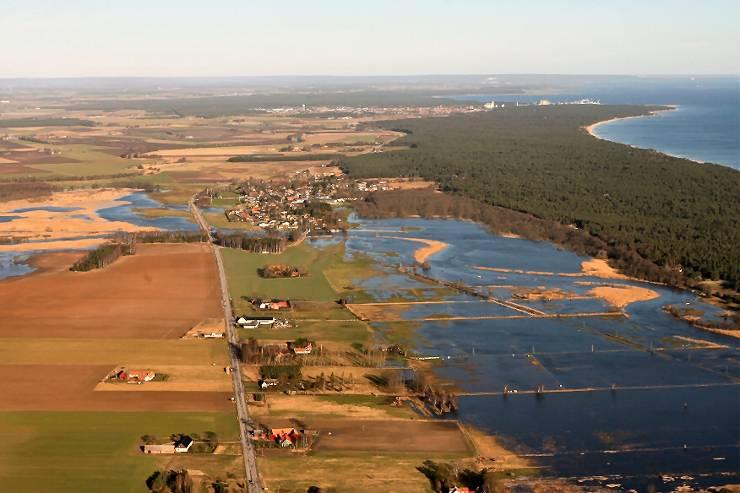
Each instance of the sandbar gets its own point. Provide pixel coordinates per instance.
(431, 247)
(621, 296)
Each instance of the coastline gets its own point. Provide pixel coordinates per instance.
(592, 130)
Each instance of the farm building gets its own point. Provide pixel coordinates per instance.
(135, 376)
(183, 445)
(302, 348)
(247, 322)
(281, 437)
(268, 382)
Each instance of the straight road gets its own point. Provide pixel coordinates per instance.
(254, 483)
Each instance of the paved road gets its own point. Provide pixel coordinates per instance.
(254, 483)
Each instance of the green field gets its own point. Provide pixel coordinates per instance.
(94, 452)
(328, 273)
(347, 332)
(218, 220)
(93, 160)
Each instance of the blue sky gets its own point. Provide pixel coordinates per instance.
(379, 37)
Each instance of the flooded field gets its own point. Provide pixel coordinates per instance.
(591, 390)
(127, 211)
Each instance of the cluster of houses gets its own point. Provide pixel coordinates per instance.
(351, 112)
(282, 437)
(273, 304)
(373, 186)
(132, 376)
(180, 447)
(275, 207)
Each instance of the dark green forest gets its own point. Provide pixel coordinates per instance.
(681, 215)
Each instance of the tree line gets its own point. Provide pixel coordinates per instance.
(103, 256)
(265, 244)
(429, 204)
(680, 215)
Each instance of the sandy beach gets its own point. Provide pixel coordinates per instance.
(591, 129)
(431, 247)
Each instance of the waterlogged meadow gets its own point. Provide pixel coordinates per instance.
(581, 386)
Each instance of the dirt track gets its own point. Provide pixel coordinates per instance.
(161, 292)
(70, 388)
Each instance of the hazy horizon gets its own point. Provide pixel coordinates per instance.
(85, 38)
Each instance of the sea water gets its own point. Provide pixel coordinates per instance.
(705, 126)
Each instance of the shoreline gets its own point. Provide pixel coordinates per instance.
(592, 130)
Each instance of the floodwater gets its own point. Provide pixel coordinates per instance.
(626, 397)
(140, 200)
(15, 263)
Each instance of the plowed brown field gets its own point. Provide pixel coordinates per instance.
(71, 388)
(161, 292)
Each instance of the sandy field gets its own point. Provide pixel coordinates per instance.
(226, 151)
(621, 296)
(390, 435)
(70, 388)
(161, 292)
(431, 247)
(600, 268)
(50, 225)
(218, 170)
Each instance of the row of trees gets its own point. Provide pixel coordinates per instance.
(103, 256)
(170, 481)
(267, 244)
(678, 214)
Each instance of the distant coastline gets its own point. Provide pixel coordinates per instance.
(593, 132)
(591, 129)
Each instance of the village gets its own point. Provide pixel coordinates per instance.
(309, 203)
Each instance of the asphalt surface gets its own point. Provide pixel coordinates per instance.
(254, 483)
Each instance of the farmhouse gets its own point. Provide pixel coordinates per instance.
(304, 348)
(135, 376)
(282, 437)
(268, 382)
(247, 322)
(212, 335)
(165, 448)
(183, 445)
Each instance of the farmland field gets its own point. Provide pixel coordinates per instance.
(94, 451)
(161, 292)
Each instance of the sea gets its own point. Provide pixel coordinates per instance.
(704, 127)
